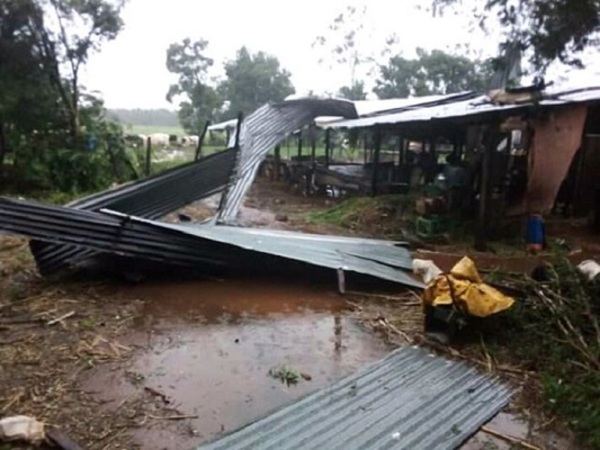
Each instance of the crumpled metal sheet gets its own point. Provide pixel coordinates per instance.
(261, 131)
(386, 260)
(409, 400)
(114, 234)
(150, 198)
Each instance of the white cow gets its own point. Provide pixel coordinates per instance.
(159, 139)
(192, 141)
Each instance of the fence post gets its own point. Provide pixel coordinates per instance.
(148, 156)
(200, 140)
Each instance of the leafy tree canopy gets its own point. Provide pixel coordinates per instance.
(551, 29)
(251, 80)
(44, 110)
(200, 101)
(434, 72)
(354, 92)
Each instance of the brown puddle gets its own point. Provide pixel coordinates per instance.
(208, 346)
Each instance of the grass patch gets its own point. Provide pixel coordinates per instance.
(386, 215)
(343, 214)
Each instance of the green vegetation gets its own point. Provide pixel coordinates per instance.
(55, 136)
(285, 374)
(555, 331)
(252, 79)
(385, 215)
(434, 72)
(550, 29)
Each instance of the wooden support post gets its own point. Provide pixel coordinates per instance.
(401, 151)
(2, 153)
(377, 151)
(313, 144)
(364, 147)
(277, 162)
(201, 140)
(327, 146)
(148, 156)
(300, 144)
(238, 129)
(481, 237)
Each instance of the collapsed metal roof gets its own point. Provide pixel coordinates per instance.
(121, 223)
(465, 106)
(387, 260)
(363, 108)
(202, 246)
(408, 400)
(150, 198)
(261, 131)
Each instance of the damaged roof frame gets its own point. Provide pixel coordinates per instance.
(119, 222)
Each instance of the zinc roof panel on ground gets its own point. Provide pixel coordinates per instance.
(408, 400)
(151, 198)
(387, 260)
(117, 236)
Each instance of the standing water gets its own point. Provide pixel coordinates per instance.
(208, 347)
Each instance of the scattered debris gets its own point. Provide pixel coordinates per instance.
(61, 440)
(61, 318)
(464, 290)
(590, 269)
(426, 269)
(510, 439)
(158, 394)
(21, 428)
(178, 417)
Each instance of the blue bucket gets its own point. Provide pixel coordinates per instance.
(536, 233)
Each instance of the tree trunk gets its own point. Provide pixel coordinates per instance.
(2, 153)
(74, 110)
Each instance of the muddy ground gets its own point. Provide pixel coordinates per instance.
(168, 364)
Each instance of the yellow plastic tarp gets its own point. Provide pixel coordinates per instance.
(471, 294)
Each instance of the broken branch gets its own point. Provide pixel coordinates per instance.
(61, 318)
(511, 439)
(181, 417)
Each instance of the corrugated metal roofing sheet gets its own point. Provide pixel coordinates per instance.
(197, 247)
(463, 108)
(261, 131)
(368, 107)
(409, 400)
(364, 107)
(151, 198)
(387, 260)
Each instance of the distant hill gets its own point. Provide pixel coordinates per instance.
(147, 121)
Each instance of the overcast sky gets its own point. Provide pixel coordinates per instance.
(130, 71)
